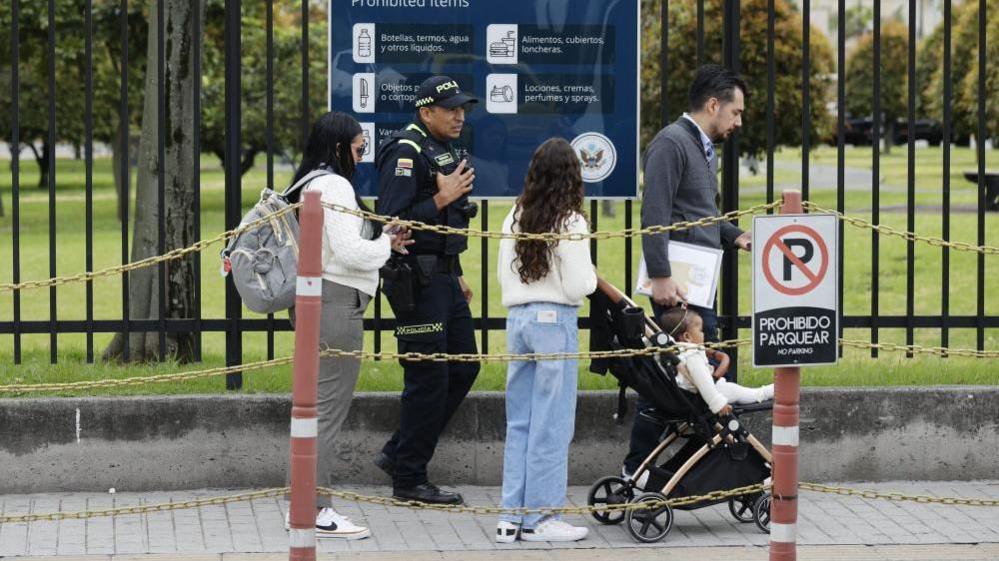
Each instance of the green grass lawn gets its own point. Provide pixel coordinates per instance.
(856, 369)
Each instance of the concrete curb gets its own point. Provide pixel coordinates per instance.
(241, 441)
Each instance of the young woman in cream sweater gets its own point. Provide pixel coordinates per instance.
(543, 285)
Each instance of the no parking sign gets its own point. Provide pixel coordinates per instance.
(795, 300)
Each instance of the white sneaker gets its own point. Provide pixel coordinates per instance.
(331, 524)
(552, 530)
(287, 520)
(506, 532)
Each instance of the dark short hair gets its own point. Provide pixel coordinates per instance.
(714, 81)
(676, 321)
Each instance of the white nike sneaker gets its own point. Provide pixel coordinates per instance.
(552, 530)
(331, 524)
(506, 532)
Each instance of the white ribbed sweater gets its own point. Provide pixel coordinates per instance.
(569, 280)
(349, 257)
(696, 376)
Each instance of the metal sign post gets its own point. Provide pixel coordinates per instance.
(795, 313)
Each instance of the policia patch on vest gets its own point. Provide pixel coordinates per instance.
(444, 159)
(421, 329)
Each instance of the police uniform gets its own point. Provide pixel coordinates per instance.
(435, 318)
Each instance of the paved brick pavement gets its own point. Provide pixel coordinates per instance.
(830, 527)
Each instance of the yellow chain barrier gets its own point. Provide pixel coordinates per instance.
(149, 261)
(583, 510)
(550, 236)
(908, 236)
(511, 357)
(495, 510)
(144, 509)
(471, 232)
(870, 494)
(363, 355)
(141, 380)
(442, 357)
(918, 349)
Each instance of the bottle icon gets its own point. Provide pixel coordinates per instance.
(367, 143)
(364, 44)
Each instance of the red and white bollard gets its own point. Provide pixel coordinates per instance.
(304, 420)
(787, 391)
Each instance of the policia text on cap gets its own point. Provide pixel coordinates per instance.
(423, 177)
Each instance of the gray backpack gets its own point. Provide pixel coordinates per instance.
(264, 260)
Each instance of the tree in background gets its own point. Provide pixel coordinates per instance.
(787, 45)
(967, 97)
(964, 58)
(858, 21)
(70, 70)
(179, 206)
(180, 196)
(894, 77)
(287, 123)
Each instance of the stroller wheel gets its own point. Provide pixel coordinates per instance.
(761, 513)
(650, 525)
(609, 490)
(742, 508)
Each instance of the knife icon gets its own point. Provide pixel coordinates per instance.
(364, 93)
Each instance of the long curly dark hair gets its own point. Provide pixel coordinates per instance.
(553, 191)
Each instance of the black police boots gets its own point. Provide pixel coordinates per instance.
(427, 493)
(385, 463)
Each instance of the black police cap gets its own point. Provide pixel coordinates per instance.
(442, 91)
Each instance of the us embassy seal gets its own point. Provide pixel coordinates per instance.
(597, 156)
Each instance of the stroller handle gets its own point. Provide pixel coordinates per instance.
(616, 296)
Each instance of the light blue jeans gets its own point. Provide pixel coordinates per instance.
(540, 408)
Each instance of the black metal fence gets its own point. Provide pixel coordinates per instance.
(234, 325)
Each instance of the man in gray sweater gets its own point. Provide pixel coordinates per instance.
(681, 185)
(681, 181)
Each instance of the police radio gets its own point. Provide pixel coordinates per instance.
(463, 205)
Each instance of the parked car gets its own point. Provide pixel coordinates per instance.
(924, 129)
(859, 131)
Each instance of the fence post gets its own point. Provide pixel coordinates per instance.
(304, 422)
(787, 391)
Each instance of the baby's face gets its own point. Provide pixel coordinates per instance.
(695, 330)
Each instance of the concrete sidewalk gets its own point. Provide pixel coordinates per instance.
(830, 527)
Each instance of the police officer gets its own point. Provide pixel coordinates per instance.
(423, 177)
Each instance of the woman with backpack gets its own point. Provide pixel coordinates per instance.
(354, 250)
(543, 284)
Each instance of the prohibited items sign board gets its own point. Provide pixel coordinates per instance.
(795, 296)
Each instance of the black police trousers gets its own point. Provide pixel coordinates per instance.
(440, 323)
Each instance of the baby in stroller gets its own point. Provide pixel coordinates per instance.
(686, 327)
(701, 446)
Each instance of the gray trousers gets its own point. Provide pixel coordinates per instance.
(341, 326)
